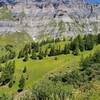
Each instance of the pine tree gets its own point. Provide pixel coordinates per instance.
(98, 39)
(40, 56)
(81, 43)
(25, 57)
(35, 46)
(34, 56)
(66, 49)
(46, 52)
(89, 42)
(74, 44)
(11, 83)
(7, 73)
(21, 54)
(12, 55)
(21, 83)
(24, 70)
(58, 50)
(76, 51)
(1, 68)
(52, 51)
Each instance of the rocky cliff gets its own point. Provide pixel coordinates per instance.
(54, 18)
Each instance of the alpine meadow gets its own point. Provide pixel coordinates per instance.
(49, 50)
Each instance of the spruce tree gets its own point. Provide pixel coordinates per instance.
(24, 70)
(89, 42)
(52, 51)
(34, 56)
(74, 44)
(7, 73)
(21, 83)
(40, 56)
(25, 57)
(76, 51)
(81, 43)
(66, 49)
(98, 38)
(46, 52)
(21, 53)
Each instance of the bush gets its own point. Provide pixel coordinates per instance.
(55, 58)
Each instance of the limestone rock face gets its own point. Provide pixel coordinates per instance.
(43, 17)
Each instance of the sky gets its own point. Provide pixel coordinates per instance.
(6, 1)
(93, 1)
(88, 1)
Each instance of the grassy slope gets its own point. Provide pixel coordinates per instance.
(17, 40)
(36, 70)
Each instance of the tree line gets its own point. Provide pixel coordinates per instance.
(7, 75)
(35, 50)
(78, 44)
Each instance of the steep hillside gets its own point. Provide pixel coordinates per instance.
(49, 50)
(13, 40)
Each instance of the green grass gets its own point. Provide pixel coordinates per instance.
(37, 69)
(17, 40)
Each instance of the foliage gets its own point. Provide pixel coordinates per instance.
(34, 56)
(7, 73)
(21, 83)
(89, 42)
(51, 91)
(76, 51)
(24, 70)
(5, 97)
(66, 49)
(89, 71)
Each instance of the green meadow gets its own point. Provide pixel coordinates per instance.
(37, 69)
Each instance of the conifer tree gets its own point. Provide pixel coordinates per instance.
(52, 51)
(81, 43)
(21, 83)
(34, 56)
(24, 70)
(76, 51)
(98, 38)
(66, 49)
(25, 57)
(89, 42)
(7, 73)
(40, 55)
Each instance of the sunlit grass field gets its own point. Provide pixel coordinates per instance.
(38, 69)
